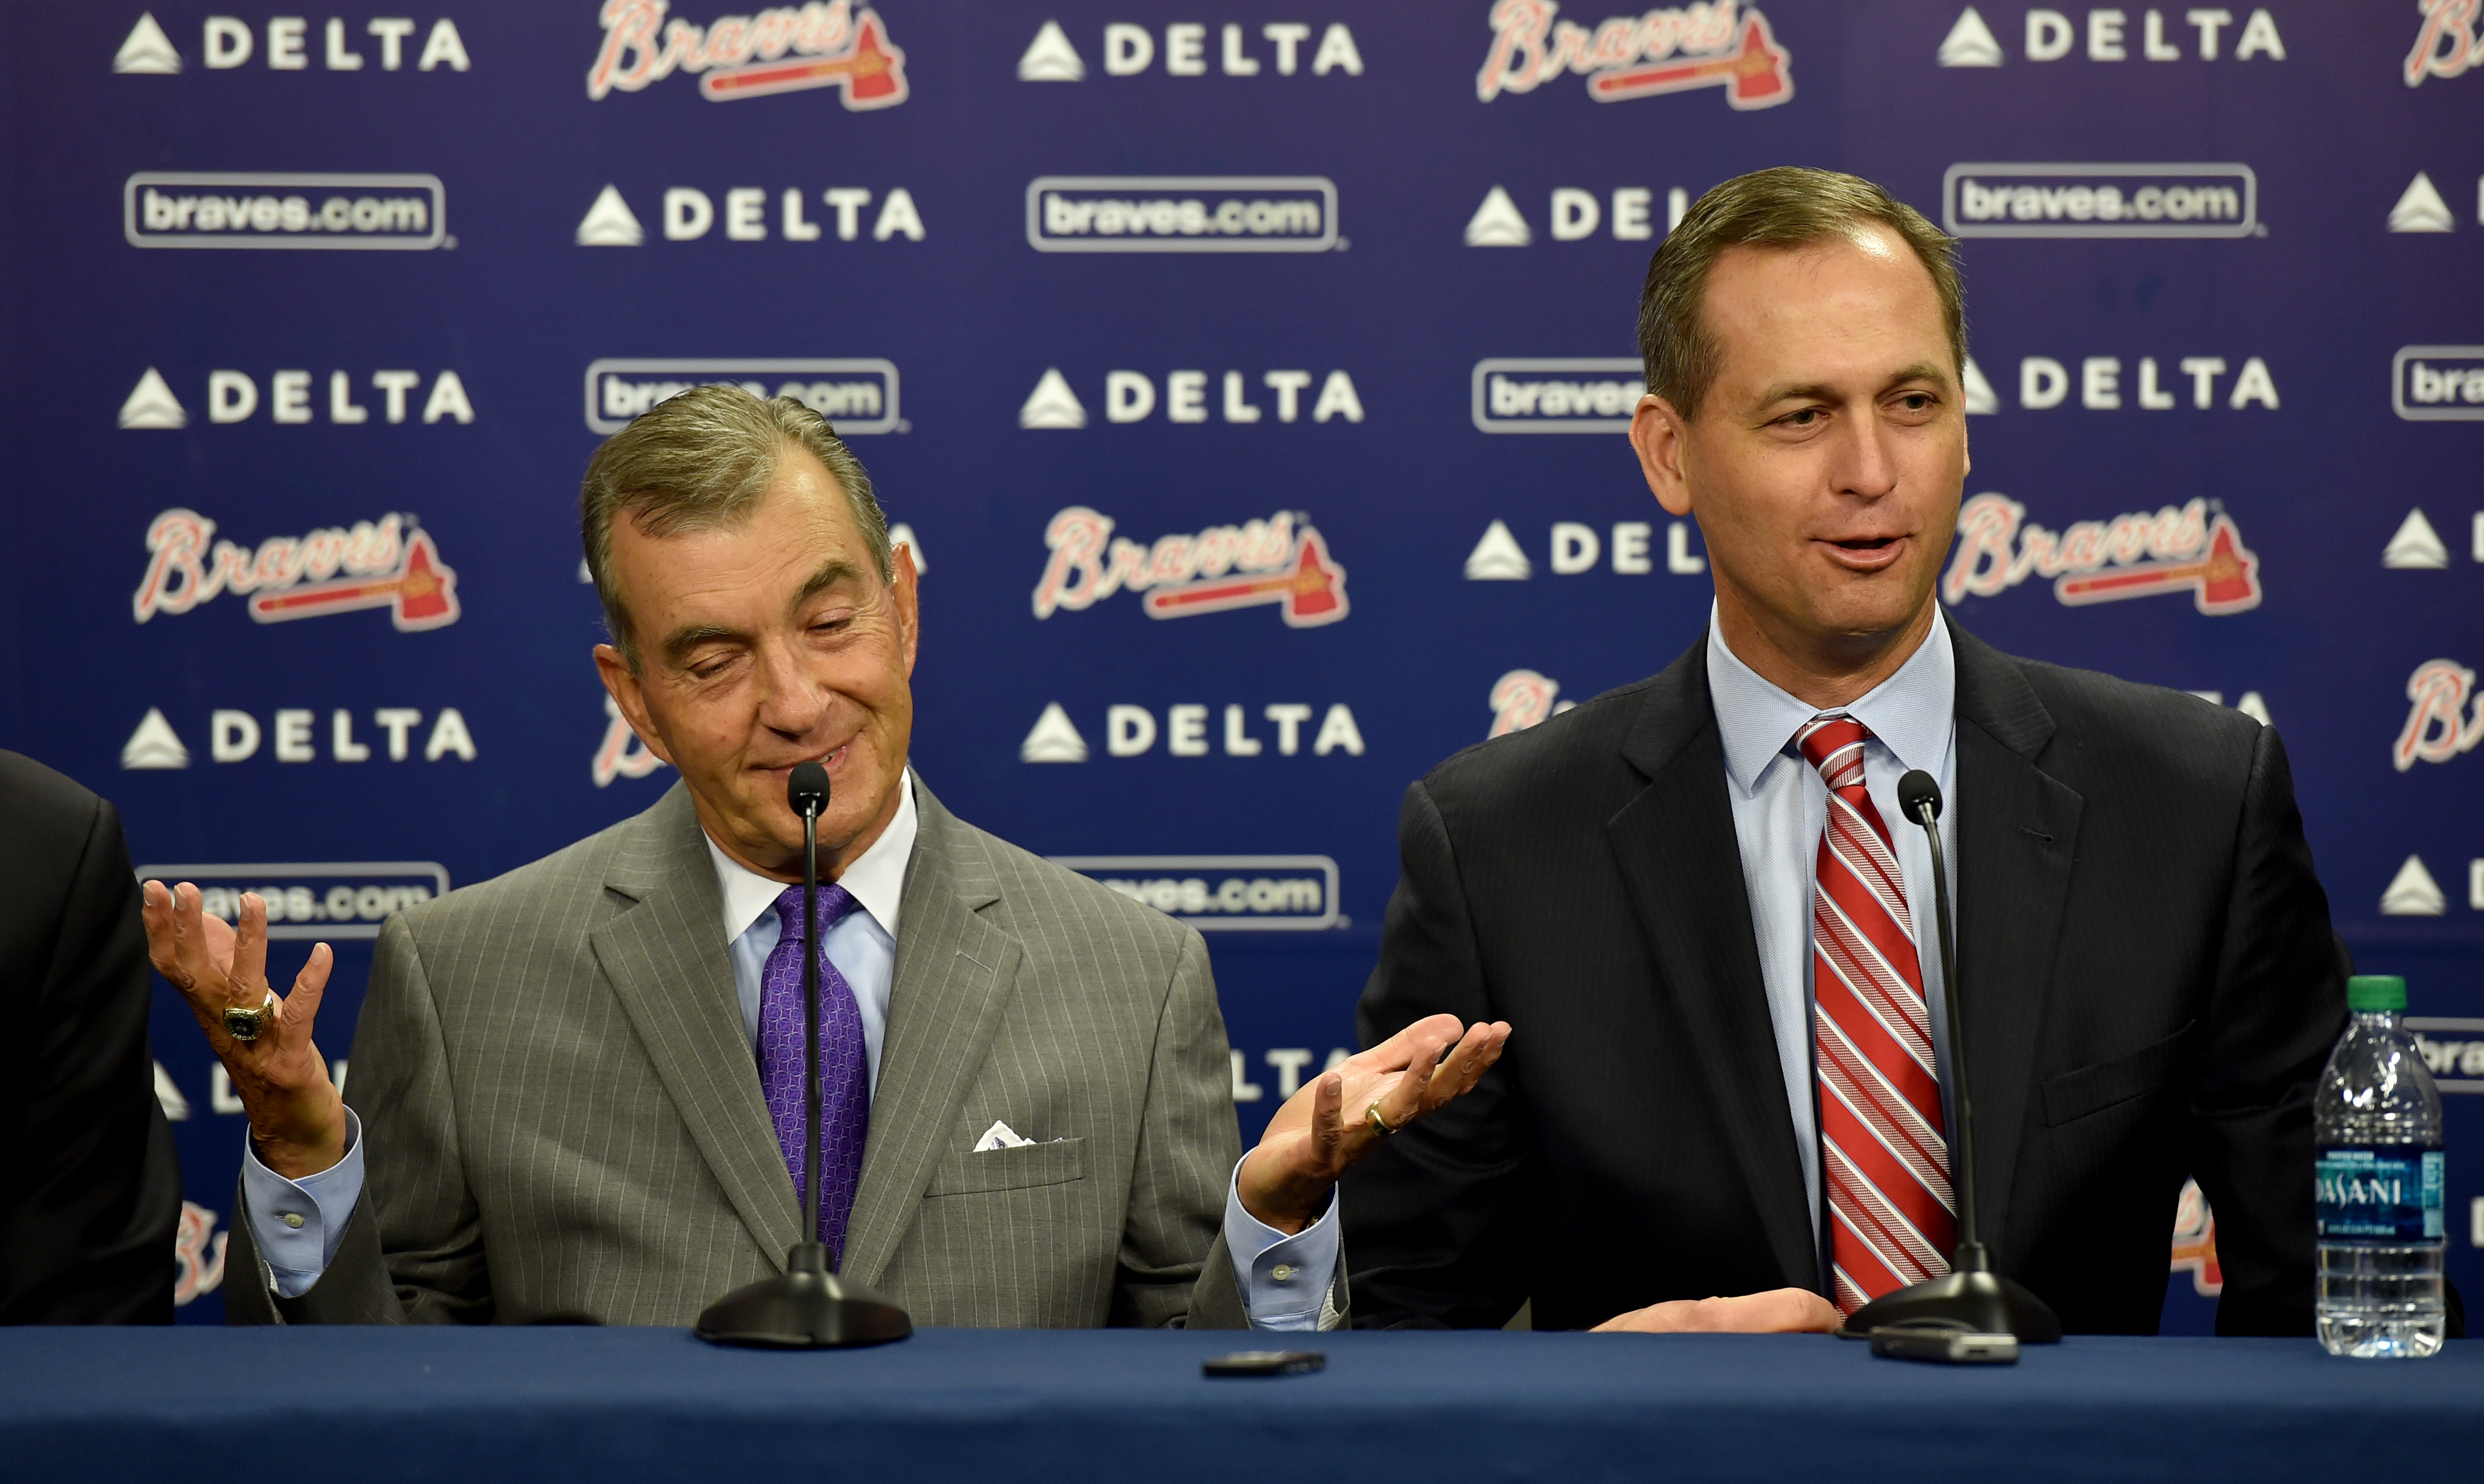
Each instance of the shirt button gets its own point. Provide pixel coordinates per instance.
(293, 1219)
(1282, 1272)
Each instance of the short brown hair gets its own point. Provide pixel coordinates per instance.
(1785, 206)
(699, 461)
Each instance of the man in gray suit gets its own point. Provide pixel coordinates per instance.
(572, 1085)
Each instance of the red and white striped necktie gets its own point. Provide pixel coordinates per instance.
(1892, 1218)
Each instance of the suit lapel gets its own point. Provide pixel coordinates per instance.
(2017, 840)
(954, 975)
(665, 957)
(1677, 850)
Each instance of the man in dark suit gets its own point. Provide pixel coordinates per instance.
(1695, 899)
(95, 1192)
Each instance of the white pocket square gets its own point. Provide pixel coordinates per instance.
(1000, 1136)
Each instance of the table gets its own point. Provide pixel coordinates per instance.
(482, 1405)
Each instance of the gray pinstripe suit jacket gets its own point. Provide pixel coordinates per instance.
(562, 1116)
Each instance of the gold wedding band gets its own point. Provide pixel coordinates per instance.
(248, 1025)
(1379, 1125)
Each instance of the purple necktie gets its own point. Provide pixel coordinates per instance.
(844, 1069)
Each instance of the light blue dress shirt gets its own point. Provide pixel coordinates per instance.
(1781, 806)
(298, 1224)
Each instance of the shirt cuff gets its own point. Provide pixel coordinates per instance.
(1285, 1281)
(297, 1224)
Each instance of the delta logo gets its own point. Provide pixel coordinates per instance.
(227, 41)
(2439, 725)
(2189, 549)
(2051, 36)
(782, 49)
(2416, 892)
(1281, 561)
(371, 564)
(2449, 43)
(1717, 44)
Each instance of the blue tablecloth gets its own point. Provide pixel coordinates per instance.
(482, 1405)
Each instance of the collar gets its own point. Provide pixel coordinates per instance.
(877, 881)
(1910, 712)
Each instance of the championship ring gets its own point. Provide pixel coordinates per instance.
(246, 1025)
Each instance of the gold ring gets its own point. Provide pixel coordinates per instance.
(1383, 1128)
(248, 1025)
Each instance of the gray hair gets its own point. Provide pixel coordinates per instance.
(701, 461)
(1787, 206)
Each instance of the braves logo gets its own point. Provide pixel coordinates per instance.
(1283, 561)
(383, 566)
(2195, 1242)
(1631, 56)
(2437, 728)
(832, 46)
(621, 754)
(2135, 555)
(197, 1253)
(2449, 43)
(1518, 700)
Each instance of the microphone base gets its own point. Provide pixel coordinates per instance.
(1975, 1302)
(804, 1308)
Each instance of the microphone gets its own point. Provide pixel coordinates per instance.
(807, 1306)
(806, 789)
(1970, 1298)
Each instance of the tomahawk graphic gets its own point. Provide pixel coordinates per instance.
(1754, 75)
(872, 74)
(1312, 594)
(422, 594)
(2226, 580)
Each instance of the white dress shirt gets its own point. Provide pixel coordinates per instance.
(298, 1224)
(1781, 806)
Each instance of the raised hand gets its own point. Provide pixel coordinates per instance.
(1327, 1125)
(296, 1114)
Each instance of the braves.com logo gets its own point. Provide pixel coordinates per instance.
(2450, 42)
(1282, 560)
(2438, 725)
(383, 566)
(2104, 561)
(783, 49)
(1635, 55)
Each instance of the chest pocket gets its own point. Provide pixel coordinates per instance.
(1022, 1168)
(2109, 1084)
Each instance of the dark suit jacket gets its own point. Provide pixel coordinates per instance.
(94, 1190)
(2145, 969)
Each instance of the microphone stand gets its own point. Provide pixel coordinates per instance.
(1970, 1298)
(809, 1306)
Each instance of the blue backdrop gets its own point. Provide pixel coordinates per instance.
(1247, 379)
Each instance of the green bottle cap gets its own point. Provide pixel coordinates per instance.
(2366, 992)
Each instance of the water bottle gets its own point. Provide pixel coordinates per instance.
(2377, 1117)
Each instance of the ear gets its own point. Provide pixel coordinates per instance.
(631, 696)
(902, 585)
(1658, 433)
